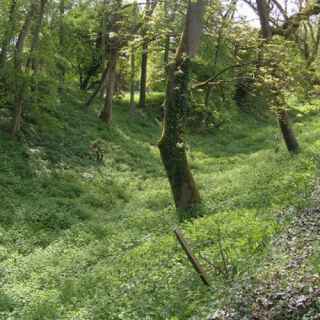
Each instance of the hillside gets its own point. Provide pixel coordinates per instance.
(81, 239)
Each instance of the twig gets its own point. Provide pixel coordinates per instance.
(191, 257)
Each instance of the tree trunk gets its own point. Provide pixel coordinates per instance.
(104, 38)
(287, 132)
(33, 60)
(19, 83)
(132, 84)
(24, 33)
(150, 6)
(106, 114)
(264, 16)
(9, 33)
(98, 88)
(144, 60)
(170, 17)
(61, 66)
(171, 144)
(143, 78)
(31, 63)
(207, 97)
(166, 54)
(16, 126)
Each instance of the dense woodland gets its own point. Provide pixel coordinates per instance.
(159, 159)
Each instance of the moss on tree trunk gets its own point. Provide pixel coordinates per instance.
(171, 145)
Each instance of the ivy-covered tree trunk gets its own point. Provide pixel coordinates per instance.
(106, 114)
(172, 145)
(283, 117)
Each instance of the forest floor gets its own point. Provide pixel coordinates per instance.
(81, 240)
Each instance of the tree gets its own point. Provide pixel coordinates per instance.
(61, 65)
(172, 144)
(132, 80)
(150, 6)
(170, 10)
(9, 33)
(123, 30)
(115, 44)
(18, 61)
(32, 62)
(282, 112)
(106, 113)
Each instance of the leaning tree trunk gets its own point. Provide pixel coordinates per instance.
(106, 114)
(98, 88)
(287, 132)
(283, 118)
(171, 144)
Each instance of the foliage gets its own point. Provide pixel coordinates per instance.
(89, 241)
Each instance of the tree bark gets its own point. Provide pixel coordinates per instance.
(19, 83)
(170, 17)
(167, 40)
(61, 66)
(32, 64)
(33, 60)
(104, 38)
(264, 16)
(287, 132)
(143, 77)
(171, 144)
(144, 59)
(9, 33)
(150, 6)
(132, 84)
(24, 33)
(106, 114)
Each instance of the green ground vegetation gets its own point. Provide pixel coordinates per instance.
(81, 239)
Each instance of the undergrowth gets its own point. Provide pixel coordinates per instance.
(81, 239)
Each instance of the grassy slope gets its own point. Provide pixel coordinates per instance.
(79, 240)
